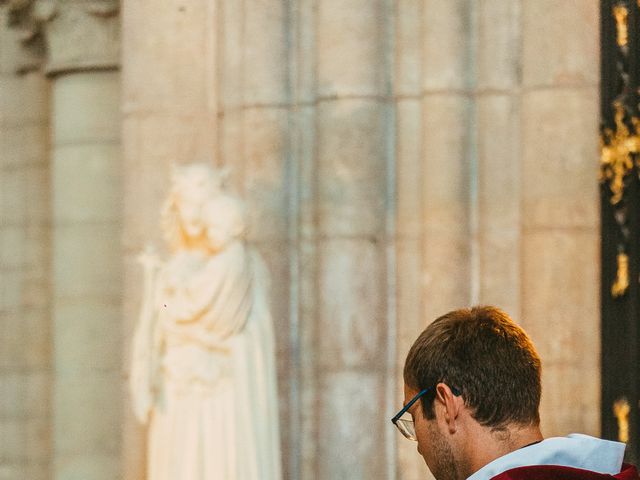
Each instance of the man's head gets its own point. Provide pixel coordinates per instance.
(484, 375)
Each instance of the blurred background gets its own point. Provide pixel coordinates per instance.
(399, 159)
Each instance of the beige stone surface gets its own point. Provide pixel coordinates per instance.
(560, 271)
(354, 455)
(167, 72)
(85, 262)
(445, 169)
(86, 108)
(560, 43)
(14, 111)
(499, 162)
(409, 45)
(88, 332)
(351, 304)
(500, 270)
(446, 24)
(351, 165)
(498, 44)
(264, 168)
(264, 52)
(350, 48)
(409, 168)
(98, 197)
(559, 167)
(570, 399)
(446, 280)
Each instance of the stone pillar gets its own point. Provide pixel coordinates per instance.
(497, 182)
(25, 344)
(83, 61)
(559, 198)
(354, 212)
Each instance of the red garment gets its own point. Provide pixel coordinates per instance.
(554, 472)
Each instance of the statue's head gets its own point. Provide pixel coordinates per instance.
(187, 214)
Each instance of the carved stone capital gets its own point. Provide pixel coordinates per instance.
(75, 34)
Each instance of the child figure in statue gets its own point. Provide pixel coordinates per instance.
(203, 374)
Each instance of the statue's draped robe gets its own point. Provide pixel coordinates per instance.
(210, 364)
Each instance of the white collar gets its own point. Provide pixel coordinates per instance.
(575, 450)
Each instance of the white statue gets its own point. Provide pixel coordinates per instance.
(203, 373)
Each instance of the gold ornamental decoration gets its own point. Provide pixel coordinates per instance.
(621, 15)
(621, 410)
(621, 283)
(616, 150)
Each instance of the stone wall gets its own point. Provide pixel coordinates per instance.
(400, 158)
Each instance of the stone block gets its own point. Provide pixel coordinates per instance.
(265, 52)
(87, 183)
(24, 99)
(169, 73)
(446, 278)
(13, 438)
(11, 291)
(87, 413)
(38, 195)
(499, 253)
(560, 43)
(498, 162)
(86, 261)
(87, 334)
(560, 293)
(87, 108)
(570, 399)
(352, 304)
(12, 247)
(38, 250)
(409, 47)
(24, 144)
(446, 23)
(346, 451)
(410, 308)
(12, 401)
(351, 164)
(37, 344)
(37, 396)
(232, 49)
(446, 176)
(351, 45)
(96, 466)
(265, 172)
(559, 172)
(38, 434)
(409, 165)
(303, 150)
(498, 51)
(307, 56)
(35, 471)
(13, 196)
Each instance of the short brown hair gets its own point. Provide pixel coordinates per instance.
(485, 355)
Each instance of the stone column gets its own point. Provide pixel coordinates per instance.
(498, 182)
(83, 59)
(559, 198)
(25, 344)
(354, 214)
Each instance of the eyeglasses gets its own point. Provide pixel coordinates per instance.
(407, 426)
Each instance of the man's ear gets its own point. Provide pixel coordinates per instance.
(450, 404)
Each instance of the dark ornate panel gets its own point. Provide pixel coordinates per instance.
(620, 209)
